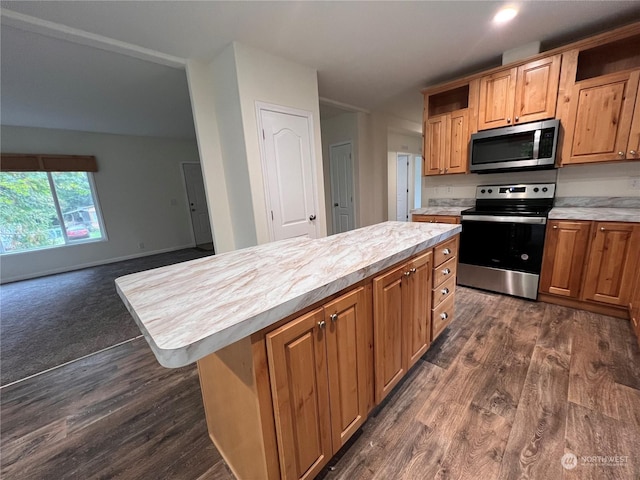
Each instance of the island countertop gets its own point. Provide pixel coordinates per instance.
(192, 309)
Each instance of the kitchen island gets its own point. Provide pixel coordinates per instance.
(296, 341)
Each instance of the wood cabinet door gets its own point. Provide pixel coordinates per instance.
(633, 147)
(418, 307)
(300, 391)
(600, 118)
(537, 90)
(347, 363)
(457, 159)
(565, 251)
(497, 94)
(390, 360)
(613, 259)
(436, 147)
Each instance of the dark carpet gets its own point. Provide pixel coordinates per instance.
(47, 321)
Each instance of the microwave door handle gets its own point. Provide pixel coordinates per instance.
(536, 143)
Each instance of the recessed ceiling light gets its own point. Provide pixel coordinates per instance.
(505, 14)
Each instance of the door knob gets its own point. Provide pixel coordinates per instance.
(632, 152)
(517, 119)
(413, 270)
(335, 205)
(509, 120)
(334, 317)
(446, 251)
(446, 271)
(621, 153)
(444, 315)
(445, 291)
(322, 323)
(312, 217)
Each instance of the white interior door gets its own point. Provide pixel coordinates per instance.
(402, 188)
(197, 203)
(341, 168)
(289, 174)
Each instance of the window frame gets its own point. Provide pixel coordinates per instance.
(60, 216)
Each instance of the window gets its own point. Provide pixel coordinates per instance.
(47, 209)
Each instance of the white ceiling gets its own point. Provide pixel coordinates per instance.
(373, 55)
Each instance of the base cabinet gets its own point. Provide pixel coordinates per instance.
(565, 250)
(281, 402)
(591, 264)
(612, 263)
(634, 307)
(401, 320)
(317, 367)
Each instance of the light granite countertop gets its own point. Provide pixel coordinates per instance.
(606, 214)
(452, 211)
(189, 310)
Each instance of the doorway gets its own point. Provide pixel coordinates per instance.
(341, 171)
(199, 212)
(289, 166)
(402, 187)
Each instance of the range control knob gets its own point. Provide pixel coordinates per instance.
(490, 191)
(536, 189)
(482, 191)
(544, 189)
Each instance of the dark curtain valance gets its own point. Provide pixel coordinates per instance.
(17, 162)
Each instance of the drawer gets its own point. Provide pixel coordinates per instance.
(445, 251)
(445, 271)
(416, 217)
(443, 292)
(442, 316)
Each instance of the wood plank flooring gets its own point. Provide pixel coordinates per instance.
(504, 393)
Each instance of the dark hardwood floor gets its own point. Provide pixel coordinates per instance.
(509, 388)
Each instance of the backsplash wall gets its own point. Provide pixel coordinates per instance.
(598, 180)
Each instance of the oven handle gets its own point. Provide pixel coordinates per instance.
(499, 219)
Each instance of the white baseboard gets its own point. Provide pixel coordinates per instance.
(80, 266)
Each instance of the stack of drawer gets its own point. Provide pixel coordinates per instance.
(445, 262)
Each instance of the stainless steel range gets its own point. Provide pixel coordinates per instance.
(503, 238)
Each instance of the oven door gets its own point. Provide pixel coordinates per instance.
(502, 253)
(503, 242)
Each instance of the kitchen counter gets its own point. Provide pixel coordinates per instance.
(190, 310)
(596, 213)
(450, 211)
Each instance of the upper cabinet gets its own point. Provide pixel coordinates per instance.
(518, 95)
(600, 108)
(448, 124)
(592, 86)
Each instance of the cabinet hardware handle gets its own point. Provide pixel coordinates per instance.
(444, 315)
(555, 227)
(334, 317)
(407, 273)
(413, 270)
(446, 170)
(509, 120)
(322, 323)
(445, 291)
(446, 251)
(312, 217)
(621, 154)
(632, 152)
(517, 118)
(446, 271)
(440, 170)
(602, 229)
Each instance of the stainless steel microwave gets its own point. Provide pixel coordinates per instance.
(521, 147)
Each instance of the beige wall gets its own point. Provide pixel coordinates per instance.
(611, 180)
(141, 192)
(199, 78)
(266, 78)
(224, 94)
